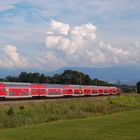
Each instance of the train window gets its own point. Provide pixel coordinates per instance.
(42, 90)
(12, 93)
(54, 93)
(24, 94)
(33, 90)
(100, 91)
(64, 90)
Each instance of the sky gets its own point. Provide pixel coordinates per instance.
(50, 34)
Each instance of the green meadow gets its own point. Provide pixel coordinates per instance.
(118, 126)
(104, 118)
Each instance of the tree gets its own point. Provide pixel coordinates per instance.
(98, 82)
(138, 87)
(35, 78)
(42, 79)
(87, 80)
(55, 79)
(11, 79)
(72, 77)
(24, 77)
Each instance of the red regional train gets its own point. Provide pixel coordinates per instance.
(28, 90)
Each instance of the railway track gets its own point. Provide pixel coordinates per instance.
(51, 99)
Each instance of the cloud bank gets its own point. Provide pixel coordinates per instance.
(68, 45)
(80, 46)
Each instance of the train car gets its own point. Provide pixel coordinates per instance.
(59, 90)
(24, 90)
(72, 90)
(17, 90)
(38, 90)
(2, 90)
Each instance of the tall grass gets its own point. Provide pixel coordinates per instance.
(17, 115)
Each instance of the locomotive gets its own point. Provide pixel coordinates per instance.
(28, 90)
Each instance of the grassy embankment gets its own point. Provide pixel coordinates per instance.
(117, 126)
(17, 115)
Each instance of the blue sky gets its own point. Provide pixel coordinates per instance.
(49, 34)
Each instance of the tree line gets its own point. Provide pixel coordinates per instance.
(67, 77)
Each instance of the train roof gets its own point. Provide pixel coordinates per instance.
(16, 84)
(21, 84)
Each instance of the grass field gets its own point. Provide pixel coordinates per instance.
(33, 113)
(118, 126)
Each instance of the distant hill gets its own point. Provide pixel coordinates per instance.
(126, 74)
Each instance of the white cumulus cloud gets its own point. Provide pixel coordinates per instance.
(59, 27)
(80, 46)
(12, 58)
